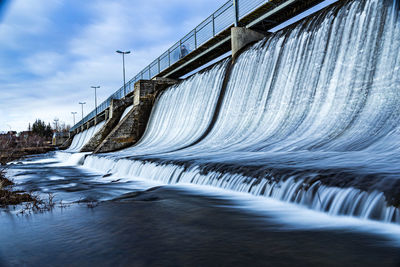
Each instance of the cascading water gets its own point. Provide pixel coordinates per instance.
(310, 116)
(82, 138)
(193, 101)
(126, 111)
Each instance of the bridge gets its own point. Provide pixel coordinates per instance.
(211, 39)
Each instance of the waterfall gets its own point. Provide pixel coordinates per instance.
(182, 113)
(126, 111)
(82, 138)
(310, 115)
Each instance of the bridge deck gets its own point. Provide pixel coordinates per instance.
(264, 18)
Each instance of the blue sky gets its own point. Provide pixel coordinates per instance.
(51, 52)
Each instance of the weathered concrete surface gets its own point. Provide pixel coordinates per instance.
(117, 108)
(241, 37)
(145, 87)
(67, 143)
(131, 128)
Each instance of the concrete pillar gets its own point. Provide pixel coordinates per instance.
(131, 128)
(106, 114)
(144, 88)
(116, 109)
(241, 37)
(115, 103)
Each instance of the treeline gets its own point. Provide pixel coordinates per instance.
(40, 128)
(37, 139)
(38, 134)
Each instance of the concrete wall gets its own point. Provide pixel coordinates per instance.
(66, 143)
(117, 107)
(241, 37)
(143, 88)
(131, 128)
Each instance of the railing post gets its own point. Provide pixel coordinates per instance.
(195, 38)
(159, 70)
(236, 10)
(213, 24)
(180, 49)
(169, 58)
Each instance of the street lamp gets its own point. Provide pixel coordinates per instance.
(73, 114)
(123, 64)
(56, 123)
(236, 6)
(95, 97)
(82, 103)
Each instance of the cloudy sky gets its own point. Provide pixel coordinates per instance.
(52, 51)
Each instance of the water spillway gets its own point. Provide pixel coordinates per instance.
(310, 115)
(182, 114)
(82, 138)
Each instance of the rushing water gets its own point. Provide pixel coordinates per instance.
(126, 111)
(297, 143)
(137, 222)
(193, 101)
(309, 115)
(82, 138)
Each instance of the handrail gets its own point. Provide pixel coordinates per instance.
(220, 20)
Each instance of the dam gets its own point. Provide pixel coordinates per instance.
(307, 115)
(302, 123)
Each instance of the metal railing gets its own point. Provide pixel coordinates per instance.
(219, 21)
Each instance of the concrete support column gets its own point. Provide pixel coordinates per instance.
(241, 37)
(112, 116)
(131, 128)
(144, 88)
(106, 113)
(115, 104)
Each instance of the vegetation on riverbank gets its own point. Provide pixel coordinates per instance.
(30, 201)
(14, 146)
(10, 197)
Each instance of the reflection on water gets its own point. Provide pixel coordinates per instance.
(168, 226)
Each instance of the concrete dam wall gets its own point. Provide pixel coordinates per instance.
(309, 115)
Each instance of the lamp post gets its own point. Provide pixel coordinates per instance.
(82, 103)
(236, 6)
(95, 97)
(123, 64)
(56, 123)
(73, 115)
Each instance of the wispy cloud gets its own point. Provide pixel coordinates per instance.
(51, 52)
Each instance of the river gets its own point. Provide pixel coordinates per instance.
(140, 223)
